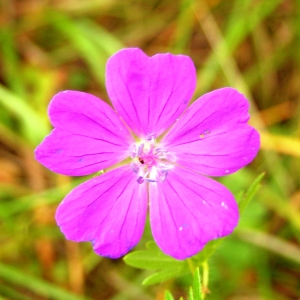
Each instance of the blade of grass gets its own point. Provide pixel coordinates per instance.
(51, 196)
(34, 284)
(222, 48)
(12, 293)
(281, 206)
(84, 7)
(184, 27)
(10, 61)
(270, 243)
(251, 192)
(93, 43)
(107, 43)
(239, 27)
(34, 127)
(80, 43)
(168, 296)
(280, 144)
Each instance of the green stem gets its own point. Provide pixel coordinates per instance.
(205, 278)
(191, 265)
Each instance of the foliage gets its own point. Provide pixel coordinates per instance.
(195, 291)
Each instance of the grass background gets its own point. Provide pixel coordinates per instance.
(48, 46)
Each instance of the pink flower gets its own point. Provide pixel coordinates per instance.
(162, 148)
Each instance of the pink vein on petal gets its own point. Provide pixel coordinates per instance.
(88, 136)
(212, 137)
(146, 91)
(195, 210)
(109, 210)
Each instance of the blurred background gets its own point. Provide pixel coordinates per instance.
(51, 45)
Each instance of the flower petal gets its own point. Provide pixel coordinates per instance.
(108, 210)
(84, 114)
(149, 92)
(212, 137)
(76, 155)
(188, 210)
(88, 136)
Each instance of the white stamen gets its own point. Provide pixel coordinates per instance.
(150, 161)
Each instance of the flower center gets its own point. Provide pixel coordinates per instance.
(150, 161)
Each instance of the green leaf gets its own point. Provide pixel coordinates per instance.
(195, 291)
(252, 190)
(197, 286)
(164, 275)
(154, 259)
(206, 252)
(167, 267)
(191, 294)
(168, 296)
(152, 246)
